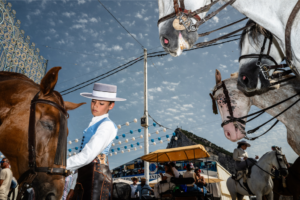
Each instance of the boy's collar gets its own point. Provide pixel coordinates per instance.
(97, 118)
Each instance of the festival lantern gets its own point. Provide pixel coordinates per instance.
(76, 140)
(119, 126)
(70, 142)
(141, 147)
(154, 143)
(154, 124)
(174, 134)
(110, 154)
(118, 149)
(123, 135)
(70, 154)
(149, 135)
(157, 132)
(2, 156)
(131, 131)
(117, 137)
(113, 144)
(120, 142)
(74, 153)
(115, 153)
(165, 130)
(70, 150)
(131, 145)
(125, 147)
(161, 141)
(138, 143)
(135, 120)
(135, 148)
(76, 148)
(159, 138)
(141, 136)
(127, 123)
(112, 150)
(122, 151)
(167, 136)
(126, 140)
(152, 140)
(128, 150)
(139, 130)
(176, 138)
(133, 138)
(168, 139)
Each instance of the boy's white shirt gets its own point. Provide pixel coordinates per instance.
(104, 135)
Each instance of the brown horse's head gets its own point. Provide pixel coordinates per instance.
(16, 93)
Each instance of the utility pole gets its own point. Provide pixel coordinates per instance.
(146, 141)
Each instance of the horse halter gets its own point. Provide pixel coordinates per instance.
(27, 178)
(185, 16)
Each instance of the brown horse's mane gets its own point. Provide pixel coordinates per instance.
(12, 75)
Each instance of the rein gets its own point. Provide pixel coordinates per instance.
(27, 177)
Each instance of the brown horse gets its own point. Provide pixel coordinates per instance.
(16, 93)
(292, 183)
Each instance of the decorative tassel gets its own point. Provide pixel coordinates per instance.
(214, 105)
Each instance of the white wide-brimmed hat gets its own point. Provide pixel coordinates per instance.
(244, 142)
(104, 92)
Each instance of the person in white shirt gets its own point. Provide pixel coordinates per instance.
(242, 162)
(94, 180)
(134, 187)
(191, 174)
(5, 179)
(175, 171)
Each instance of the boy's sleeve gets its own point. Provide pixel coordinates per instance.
(3, 174)
(104, 135)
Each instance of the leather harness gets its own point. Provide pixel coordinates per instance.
(27, 178)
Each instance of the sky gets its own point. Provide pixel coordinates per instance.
(84, 39)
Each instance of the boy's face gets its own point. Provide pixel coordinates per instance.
(99, 107)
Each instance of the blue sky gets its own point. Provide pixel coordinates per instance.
(84, 39)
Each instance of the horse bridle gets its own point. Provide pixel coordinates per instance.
(27, 178)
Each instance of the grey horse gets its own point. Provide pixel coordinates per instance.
(260, 182)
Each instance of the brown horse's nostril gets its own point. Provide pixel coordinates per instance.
(166, 41)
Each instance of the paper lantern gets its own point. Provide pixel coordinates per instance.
(154, 143)
(117, 137)
(2, 156)
(74, 153)
(120, 142)
(159, 138)
(139, 130)
(70, 154)
(141, 147)
(157, 132)
(70, 142)
(135, 120)
(141, 136)
(70, 150)
(126, 140)
(131, 145)
(131, 131)
(138, 143)
(133, 138)
(119, 126)
(76, 148)
(76, 140)
(122, 151)
(165, 130)
(113, 144)
(154, 124)
(168, 139)
(161, 141)
(167, 136)
(112, 150)
(135, 148)
(176, 138)
(128, 150)
(127, 123)
(123, 135)
(152, 140)
(110, 154)
(125, 147)
(149, 134)
(118, 149)
(115, 153)
(174, 134)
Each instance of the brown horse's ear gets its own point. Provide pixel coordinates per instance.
(72, 106)
(218, 77)
(49, 81)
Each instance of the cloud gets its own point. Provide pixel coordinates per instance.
(175, 97)
(82, 21)
(138, 15)
(77, 26)
(122, 80)
(172, 110)
(93, 19)
(216, 19)
(81, 2)
(188, 106)
(117, 48)
(129, 44)
(158, 89)
(68, 14)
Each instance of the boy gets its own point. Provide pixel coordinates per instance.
(93, 180)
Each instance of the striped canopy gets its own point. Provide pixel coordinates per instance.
(177, 154)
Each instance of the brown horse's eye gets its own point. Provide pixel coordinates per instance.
(48, 125)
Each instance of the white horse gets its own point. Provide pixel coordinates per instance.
(241, 103)
(260, 182)
(270, 14)
(251, 42)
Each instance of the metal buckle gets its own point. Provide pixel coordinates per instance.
(264, 70)
(188, 23)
